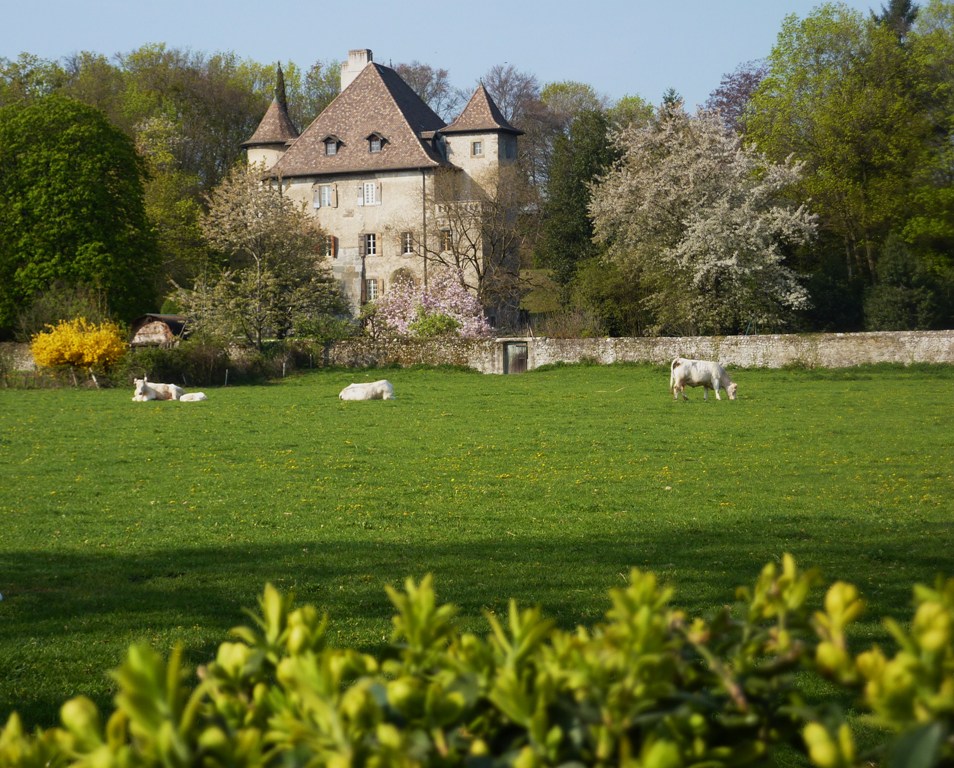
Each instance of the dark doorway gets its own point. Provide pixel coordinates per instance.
(515, 357)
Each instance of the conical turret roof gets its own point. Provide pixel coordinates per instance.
(481, 114)
(276, 127)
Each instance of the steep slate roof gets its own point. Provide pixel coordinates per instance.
(481, 114)
(378, 102)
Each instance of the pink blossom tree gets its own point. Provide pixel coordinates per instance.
(445, 306)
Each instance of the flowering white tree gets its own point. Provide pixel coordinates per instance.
(700, 222)
(276, 284)
(444, 307)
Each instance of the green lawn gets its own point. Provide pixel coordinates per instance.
(122, 521)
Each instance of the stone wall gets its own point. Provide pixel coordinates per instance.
(822, 350)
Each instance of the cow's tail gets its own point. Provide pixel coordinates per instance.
(672, 374)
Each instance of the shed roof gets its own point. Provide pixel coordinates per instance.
(175, 323)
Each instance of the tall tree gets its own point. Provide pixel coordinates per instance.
(566, 231)
(478, 234)
(869, 114)
(842, 97)
(565, 100)
(434, 88)
(274, 283)
(28, 77)
(215, 103)
(897, 15)
(732, 99)
(71, 208)
(700, 221)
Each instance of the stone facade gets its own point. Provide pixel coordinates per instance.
(368, 168)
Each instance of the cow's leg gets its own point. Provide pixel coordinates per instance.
(716, 388)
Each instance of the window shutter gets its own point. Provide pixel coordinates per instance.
(362, 245)
(377, 193)
(360, 194)
(316, 197)
(333, 246)
(334, 195)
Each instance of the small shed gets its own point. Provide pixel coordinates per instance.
(158, 330)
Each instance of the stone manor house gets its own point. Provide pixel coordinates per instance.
(373, 167)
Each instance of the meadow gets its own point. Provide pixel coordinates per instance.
(123, 521)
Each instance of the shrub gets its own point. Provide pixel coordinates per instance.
(79, 344)
(649, 687)
(429, 325)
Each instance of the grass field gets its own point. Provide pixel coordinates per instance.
(124, 521)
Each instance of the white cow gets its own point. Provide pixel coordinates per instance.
(192, 397)
(699, 373)
(371, 390)
(146, 390)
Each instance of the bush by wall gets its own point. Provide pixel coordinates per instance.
(649, 687)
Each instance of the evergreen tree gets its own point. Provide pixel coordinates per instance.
(578, 158)
(898, 16)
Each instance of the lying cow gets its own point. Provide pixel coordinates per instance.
(147, 390)
(192, 397)
(372, 390)
(699, 373)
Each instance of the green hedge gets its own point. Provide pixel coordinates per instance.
(649, 687)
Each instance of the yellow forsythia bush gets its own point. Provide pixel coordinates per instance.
(79, 343)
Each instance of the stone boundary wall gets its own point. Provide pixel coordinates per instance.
(819, 350)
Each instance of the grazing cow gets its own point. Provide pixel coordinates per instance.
(192, 397)
(372, 390)
(146, 390)
(699, 373)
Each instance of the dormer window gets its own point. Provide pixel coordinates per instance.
(331, 145)
(376, 143)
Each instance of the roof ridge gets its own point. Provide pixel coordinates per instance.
(377, 100)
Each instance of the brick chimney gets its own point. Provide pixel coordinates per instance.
(358, 59)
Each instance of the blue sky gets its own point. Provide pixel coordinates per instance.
(620, 48)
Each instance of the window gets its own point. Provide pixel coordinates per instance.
(368, 245)
(407, 243)
(375, 143)
(447, 241)
(329, 247)
(369, 193)
(477, 148)
(325, 196)
(371, 288)
(331, 146)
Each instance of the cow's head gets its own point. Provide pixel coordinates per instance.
(731, 389)
(140, 386)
